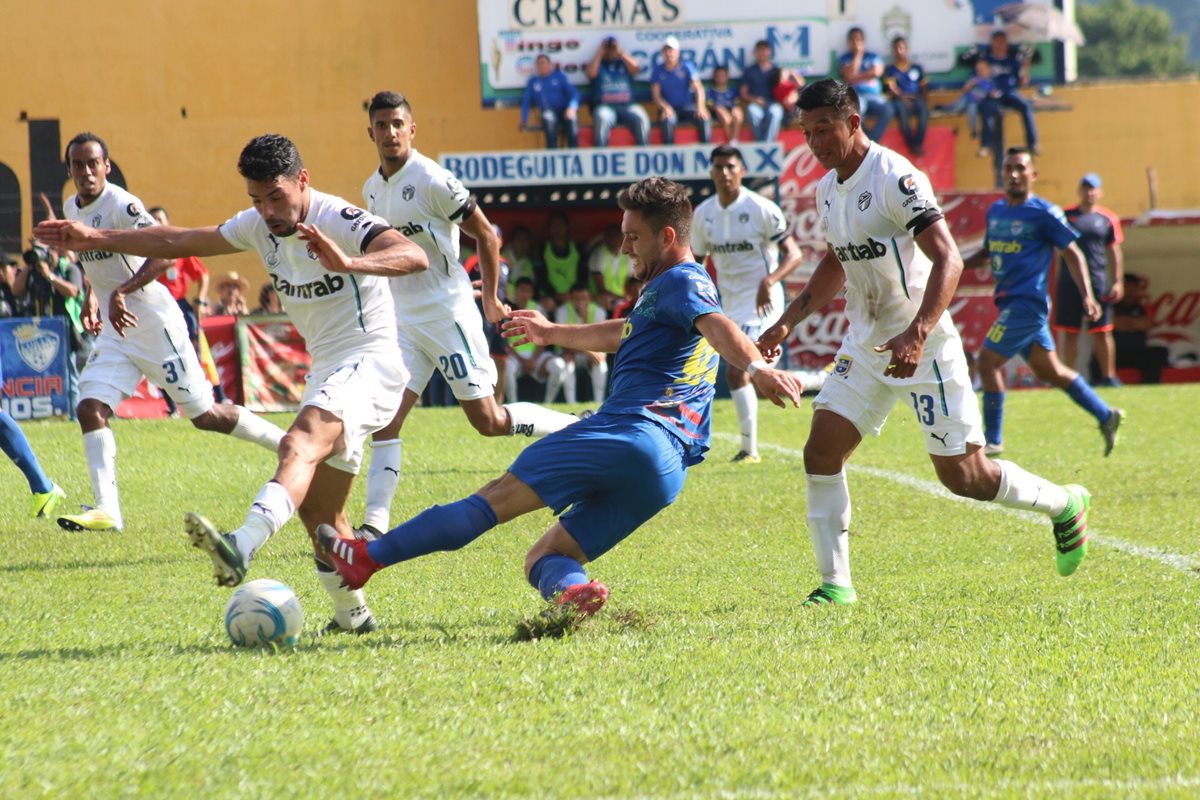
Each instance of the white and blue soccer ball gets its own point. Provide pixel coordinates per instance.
(264, 613)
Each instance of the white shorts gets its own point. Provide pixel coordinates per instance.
(364, 392)
(163, 354)
(457, 347)
(939, 394)
(756, 326)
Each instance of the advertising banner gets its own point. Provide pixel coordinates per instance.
(274, 363)
(805, 37)
(221, 333)
(33, 362)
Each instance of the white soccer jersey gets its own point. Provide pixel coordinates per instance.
(337, 314)
(868, 221)
(425, 202)
(117, 209)
(743, 241)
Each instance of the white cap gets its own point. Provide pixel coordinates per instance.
(671, 42)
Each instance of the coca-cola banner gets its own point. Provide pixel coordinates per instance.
(1160, 248)
(221, 333)
(274, 363)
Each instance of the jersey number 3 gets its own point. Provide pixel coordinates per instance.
(923, 405)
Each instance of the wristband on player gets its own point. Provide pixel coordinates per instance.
(754, 366)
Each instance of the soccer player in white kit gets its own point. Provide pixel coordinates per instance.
(439, 323)
(891, 249)
(329, 262)
(744, 234)
(148, 336)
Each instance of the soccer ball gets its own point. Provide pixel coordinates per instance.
(264, 613)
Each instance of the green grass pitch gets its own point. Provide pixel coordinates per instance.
(967, 669)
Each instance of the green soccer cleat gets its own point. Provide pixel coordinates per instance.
(92, 519)
(1070, 530)
(46, 503)
(830, 594)
(1109, 427)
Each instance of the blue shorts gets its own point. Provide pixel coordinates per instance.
(1018, 328)
(615, 471)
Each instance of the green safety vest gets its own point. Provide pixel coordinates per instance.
(562, 271)
(519, 268)
(615, 268)
(527, 349)
(594, 314)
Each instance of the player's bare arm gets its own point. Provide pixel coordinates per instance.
(1077, 266)
(118, 314)
(156, 241)
(739, 352)
(480, 229)
(790, 257)
(827, 280)
(907, 347)
(977, 260)
(89, 315)
(526, 325)
(1116, 258)
(389, 254)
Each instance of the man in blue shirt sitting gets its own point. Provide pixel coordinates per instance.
(1010, 71)
(556, 99)
(763, 113)
(677, 91)
(611, 72)
(906, 81)
(862, 69)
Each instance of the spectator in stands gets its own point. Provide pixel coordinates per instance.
(863, 69)
(723, 105)
(178, 279)
(785, 88)
(582, 311)
(557, 101)
(268, 301)
(562, 263)
(907, 83)
(232, 290)
(530, 359)
(10, 306)
(611, 72)
(52, 285)
(608, 267)
(1131, 327)
(519, 255)
(977, 89)
(633, 289)
(763, 113)
(1010, 71)
(677, 91)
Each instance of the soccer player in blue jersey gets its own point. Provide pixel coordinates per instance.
(619, 467)
(1023, 231)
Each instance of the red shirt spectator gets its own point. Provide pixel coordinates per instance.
(180, 275)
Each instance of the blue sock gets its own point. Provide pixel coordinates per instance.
(551, 574)
(1087, 398)
(16, 446)
(993, 416)
(439, 528)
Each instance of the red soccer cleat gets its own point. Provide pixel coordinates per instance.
(350, 557)
(587, 598)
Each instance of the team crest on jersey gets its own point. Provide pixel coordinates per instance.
(1016, 227)
(133, 210)
(908, 185)
(743, 218)
(842, 366)
(36, 346)
(864, 201)
(272, 260)
(408, 191)
(352, 213)
(96, 218)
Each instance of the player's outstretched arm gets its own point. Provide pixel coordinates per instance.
(388, 254)
(156, 241)
(737, 349)
(827, 280)
(1077, 266)
(525, 325)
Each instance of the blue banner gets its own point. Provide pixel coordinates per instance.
(33, 365)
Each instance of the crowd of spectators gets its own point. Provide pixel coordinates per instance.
(763, 98)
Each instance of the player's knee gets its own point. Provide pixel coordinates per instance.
(818, 461)
(92, 413)
(298, 447)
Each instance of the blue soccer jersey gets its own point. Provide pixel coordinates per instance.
(1020, 242)
(664, 369)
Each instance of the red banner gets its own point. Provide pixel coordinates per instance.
(221, 333)
(274, 363)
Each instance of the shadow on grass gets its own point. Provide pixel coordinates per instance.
(40, 566)
(114, 651)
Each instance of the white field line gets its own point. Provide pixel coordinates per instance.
(1186, 564)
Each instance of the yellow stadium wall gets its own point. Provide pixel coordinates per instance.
(305, 67)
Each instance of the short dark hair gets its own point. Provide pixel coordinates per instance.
(152, 209)
(855, 30)
(762, 43)
(388, 101)
(580, 287)
(662, 202)
(83, 138)
(897, 39)
(1019, 151)
(829, 93)
(268, 156)
(720, 68)
(726, 151)
(999, 32)
(557, 215)
(526, 281)
(541, 56)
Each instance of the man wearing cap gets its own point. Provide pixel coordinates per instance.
(232, 289)
(1100, 238)
(611, 72)
(677, 91)
(557, 101)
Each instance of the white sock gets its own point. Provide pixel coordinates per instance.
(745, 401)
(529, 419)
(383, 475)
(349, 607)
(568, 381)
(268, 513)
(512, 372)
(100, 448)
(556, 370)
(1024, 490)
(253, 428)
(829, 526)
(599, 381)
